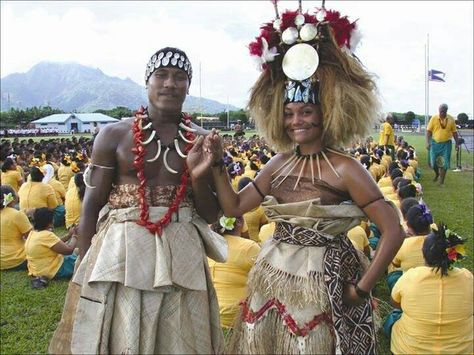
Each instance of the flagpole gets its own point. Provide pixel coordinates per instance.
(427, 108)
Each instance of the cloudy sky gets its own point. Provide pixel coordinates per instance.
(119, 38)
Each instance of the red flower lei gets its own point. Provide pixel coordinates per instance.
(140, 152)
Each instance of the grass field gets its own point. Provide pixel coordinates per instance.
(28, 317)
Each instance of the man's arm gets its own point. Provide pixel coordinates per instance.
(103, 154)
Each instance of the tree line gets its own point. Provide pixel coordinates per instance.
(22, 117)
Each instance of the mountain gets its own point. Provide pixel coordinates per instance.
(75, 87)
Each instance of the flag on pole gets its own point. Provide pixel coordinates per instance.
(436, 75)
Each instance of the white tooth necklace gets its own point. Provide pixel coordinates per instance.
(296, 158)
(174, 145)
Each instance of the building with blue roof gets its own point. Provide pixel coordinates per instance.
(79, 122)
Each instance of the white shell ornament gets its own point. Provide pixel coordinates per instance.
(321, 15)
(277, 24)
(308, 32)
(299, 20)
(300, 62)
(290, 35)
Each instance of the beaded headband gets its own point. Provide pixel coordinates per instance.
(169, 57)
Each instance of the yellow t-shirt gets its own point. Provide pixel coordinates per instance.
(36, 195)
(59, 190)
(42, 260)
(21, 171)
(266, 231)
(73, 207)
(387, 190)
(385, 181)
(440, 134)
(12, 178)
(255, 219)
(437, 312)
(64, 175)
(13, 225)
(386, 130)
(410, 254)
(230, 278)
(358, 238)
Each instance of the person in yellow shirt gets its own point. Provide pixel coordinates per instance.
(266, 231)
(359, 240)
(73, 202)
(10, 174)
(409, 255)
(387, 136)
(36, 194)
(65, 172)
(230, 278)
(255, 218)
(14, 228)
(439, 132)
(48, 256)
(59, 191)
(434, 302)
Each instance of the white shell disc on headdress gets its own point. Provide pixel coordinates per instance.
(300, 62)
(289, 36)
(308, 32)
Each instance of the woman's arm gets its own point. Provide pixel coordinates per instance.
(231, 202)
(367, 195)
(64, 248)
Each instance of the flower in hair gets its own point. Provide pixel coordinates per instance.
(74, 167)
(228, 223)
(426, 214)
(7, 198)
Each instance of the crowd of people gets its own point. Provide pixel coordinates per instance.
(30, 132)
(281, 237)
(41, 188)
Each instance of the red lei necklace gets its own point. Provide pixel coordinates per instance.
(140, 151)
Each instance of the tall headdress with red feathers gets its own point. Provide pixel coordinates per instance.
(295, 47)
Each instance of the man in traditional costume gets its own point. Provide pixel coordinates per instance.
(439, 132)
(307, 292)
(143, 285)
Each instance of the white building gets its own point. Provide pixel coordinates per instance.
(80, 122)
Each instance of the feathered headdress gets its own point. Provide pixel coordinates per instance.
(308, 57)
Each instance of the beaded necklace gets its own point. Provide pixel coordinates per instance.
(139, 163)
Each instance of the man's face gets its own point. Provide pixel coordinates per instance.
(443, 111)
(167, 89)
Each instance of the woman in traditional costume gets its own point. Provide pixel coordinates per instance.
(307, 292)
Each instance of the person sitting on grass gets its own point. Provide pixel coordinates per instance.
(10, 175)
(60, 193)
(14, 228)
(73, 202)
(410, 255)
(434, 302)
(230, 278)
(48, 256)
(36, 194)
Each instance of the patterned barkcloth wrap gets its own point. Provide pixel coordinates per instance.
(295, 288)
(136, 293)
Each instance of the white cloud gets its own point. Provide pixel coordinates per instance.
(119, 38)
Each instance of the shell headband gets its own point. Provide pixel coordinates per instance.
(169, 58)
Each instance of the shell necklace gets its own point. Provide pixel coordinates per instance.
(183, 130)
(297, 159)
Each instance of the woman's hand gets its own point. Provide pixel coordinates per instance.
(350, 296)
(198, 161)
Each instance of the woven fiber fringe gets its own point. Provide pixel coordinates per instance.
(270, 335)
(297, 291)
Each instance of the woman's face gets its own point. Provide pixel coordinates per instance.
(303, 122)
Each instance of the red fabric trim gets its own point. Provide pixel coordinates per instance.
(252, 317)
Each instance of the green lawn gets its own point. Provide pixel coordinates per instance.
(28, 317)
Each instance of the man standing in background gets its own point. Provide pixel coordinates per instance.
(439, 132)
(387, 136)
